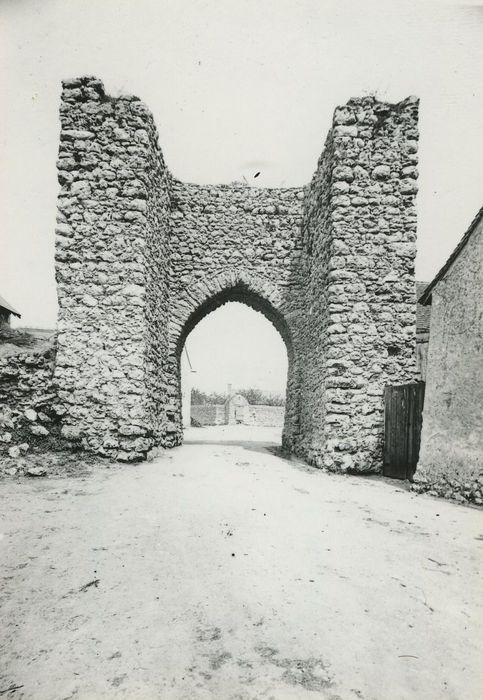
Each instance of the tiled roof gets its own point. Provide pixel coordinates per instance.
(423, 313)
(5, 305)
(425, 298)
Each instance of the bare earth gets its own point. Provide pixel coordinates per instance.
(222, 570)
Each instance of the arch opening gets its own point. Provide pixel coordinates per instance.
(256, 364)
(241, 293)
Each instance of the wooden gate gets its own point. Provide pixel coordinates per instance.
(403, 417)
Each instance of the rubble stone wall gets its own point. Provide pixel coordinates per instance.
(26, 377)
(269, 416)
(259, 415)
(142, 257)
(208, 414)
(111, 271)
(451, 460)
(30, 414)
(359, 249)
(234, 243)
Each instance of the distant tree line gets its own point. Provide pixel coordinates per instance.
(202, 397)
(255, 397)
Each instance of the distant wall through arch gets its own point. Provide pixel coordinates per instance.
(141, 257)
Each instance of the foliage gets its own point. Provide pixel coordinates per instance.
(255, 397)
(16, 337)
(200, 398)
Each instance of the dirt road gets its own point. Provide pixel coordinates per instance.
(221, 570)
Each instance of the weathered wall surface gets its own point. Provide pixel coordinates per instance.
(111, 271)
(234, 243)
(30, 413)
(423, 317)
(259, 415)
(421, 359)
(208, 414)
(269, 416)
(142, 257)
(360, 243)
(26, 376)
(451, 458)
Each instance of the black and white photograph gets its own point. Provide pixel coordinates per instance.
(241, 350)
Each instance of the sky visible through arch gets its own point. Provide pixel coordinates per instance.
(237, 345)
(236, 87)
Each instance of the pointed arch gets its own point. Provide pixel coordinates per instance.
(203, 297)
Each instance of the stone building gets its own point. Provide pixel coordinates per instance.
(6, 312)
(237, 410)
(142, 257)
(451, 453)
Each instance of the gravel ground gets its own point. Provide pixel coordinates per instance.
(222, 570)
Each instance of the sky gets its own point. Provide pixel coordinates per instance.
(222, 352)
(236, 86)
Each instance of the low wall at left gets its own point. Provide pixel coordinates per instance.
(30, 414)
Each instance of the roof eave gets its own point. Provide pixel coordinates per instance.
(426, 297)
(11, 311)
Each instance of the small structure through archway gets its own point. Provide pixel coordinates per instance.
(237, 410)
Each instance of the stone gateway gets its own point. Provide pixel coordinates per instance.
(141, 258)
(237, 410)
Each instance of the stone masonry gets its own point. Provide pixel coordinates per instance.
(30, 415)
(141, 258)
